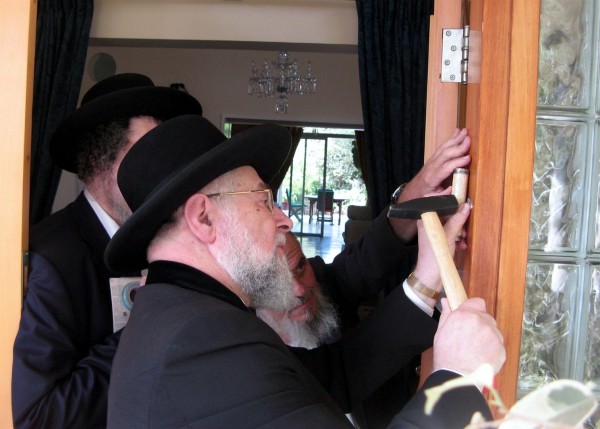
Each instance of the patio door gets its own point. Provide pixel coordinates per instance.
(306, 175)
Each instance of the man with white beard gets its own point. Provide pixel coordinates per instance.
(314, 321)
(193, 353)
(332, 293)
(362, 270)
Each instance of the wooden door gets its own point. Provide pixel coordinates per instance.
(499, 112)
(17, 42)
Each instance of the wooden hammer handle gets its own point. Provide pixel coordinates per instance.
(455, 291)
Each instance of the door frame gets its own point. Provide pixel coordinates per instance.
(500, 117)
(17, 42)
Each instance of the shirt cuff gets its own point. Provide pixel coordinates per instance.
(416, 300)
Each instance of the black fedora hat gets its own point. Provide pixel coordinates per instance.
(122, 96)
(172, 162)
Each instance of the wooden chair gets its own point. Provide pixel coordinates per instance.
(325, 205)
(294, 209)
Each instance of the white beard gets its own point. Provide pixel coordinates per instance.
(263, 276)
(307, 334)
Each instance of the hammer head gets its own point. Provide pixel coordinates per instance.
(443, 205)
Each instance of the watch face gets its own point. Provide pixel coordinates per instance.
(397, 193)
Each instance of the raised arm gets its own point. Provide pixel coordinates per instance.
(452, 154)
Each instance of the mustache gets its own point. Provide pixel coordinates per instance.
(280, 239)
(309, 295)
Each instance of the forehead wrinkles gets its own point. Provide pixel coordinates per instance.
(293, 253)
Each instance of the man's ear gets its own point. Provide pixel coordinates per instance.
(197, 213)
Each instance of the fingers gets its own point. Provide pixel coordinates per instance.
(427, 269)
(454, 226)
(445, 311)
(456, 147)
(468, 337)
(451, 154)
(474, 304)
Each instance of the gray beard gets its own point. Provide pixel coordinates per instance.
(264, 277)
(311, 333)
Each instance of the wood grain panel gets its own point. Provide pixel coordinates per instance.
(17, 41)
(517, 186)
(500, 117)
(501, 121)
(442, 98)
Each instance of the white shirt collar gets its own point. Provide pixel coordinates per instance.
(107, 222)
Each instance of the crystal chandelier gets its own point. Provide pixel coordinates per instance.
(281, 78)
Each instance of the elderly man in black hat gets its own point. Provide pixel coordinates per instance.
(66, 340)
(194, 353)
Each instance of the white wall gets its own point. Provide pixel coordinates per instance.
(282, 21)
(219, 80)
(146, 36)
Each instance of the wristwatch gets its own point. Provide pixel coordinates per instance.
(397, 193)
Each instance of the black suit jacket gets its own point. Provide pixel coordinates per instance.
(192, 355)
(65, 343)
(362, 269)
(358, 274)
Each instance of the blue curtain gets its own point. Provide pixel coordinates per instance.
(393, 44)
(63, 29)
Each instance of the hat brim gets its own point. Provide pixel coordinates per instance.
(159, 102)
(264, 148)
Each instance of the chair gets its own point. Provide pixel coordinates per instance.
(325, 205)
(359, 221)
(294, 209)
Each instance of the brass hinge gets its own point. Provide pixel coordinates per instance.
(24, 275)
(455, 55)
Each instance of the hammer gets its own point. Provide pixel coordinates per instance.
(429, 209)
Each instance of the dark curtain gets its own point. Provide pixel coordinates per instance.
(393, 44)
(63, 29)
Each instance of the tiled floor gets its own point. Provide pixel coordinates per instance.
(327, 246)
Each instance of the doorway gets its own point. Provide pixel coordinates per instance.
(322, 180)
(324, 160)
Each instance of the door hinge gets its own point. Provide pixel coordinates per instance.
(24, 275)
(455, 55)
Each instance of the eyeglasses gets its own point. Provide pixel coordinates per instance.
(268, 202)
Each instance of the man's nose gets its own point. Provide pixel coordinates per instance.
(299, 288)
(284, 223)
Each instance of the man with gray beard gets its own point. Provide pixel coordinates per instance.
(263, 276)
(193, 353)
(314, 321)
(332, 293)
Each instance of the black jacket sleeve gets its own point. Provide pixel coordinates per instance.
(54, 383)
(454, 410)
(362, 269)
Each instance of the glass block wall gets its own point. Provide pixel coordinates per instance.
(561, 320)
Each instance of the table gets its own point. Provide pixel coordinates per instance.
(312, 199)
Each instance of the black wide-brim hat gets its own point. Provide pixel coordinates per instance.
(174, 161)
(118, 97)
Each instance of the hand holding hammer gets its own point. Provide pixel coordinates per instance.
(429, 209)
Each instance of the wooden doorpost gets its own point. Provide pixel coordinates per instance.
(500, 117)
(17, 46)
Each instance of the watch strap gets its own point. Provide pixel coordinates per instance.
(396, 194)
(416, 285)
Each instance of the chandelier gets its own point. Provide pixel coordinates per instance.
(281, 78)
